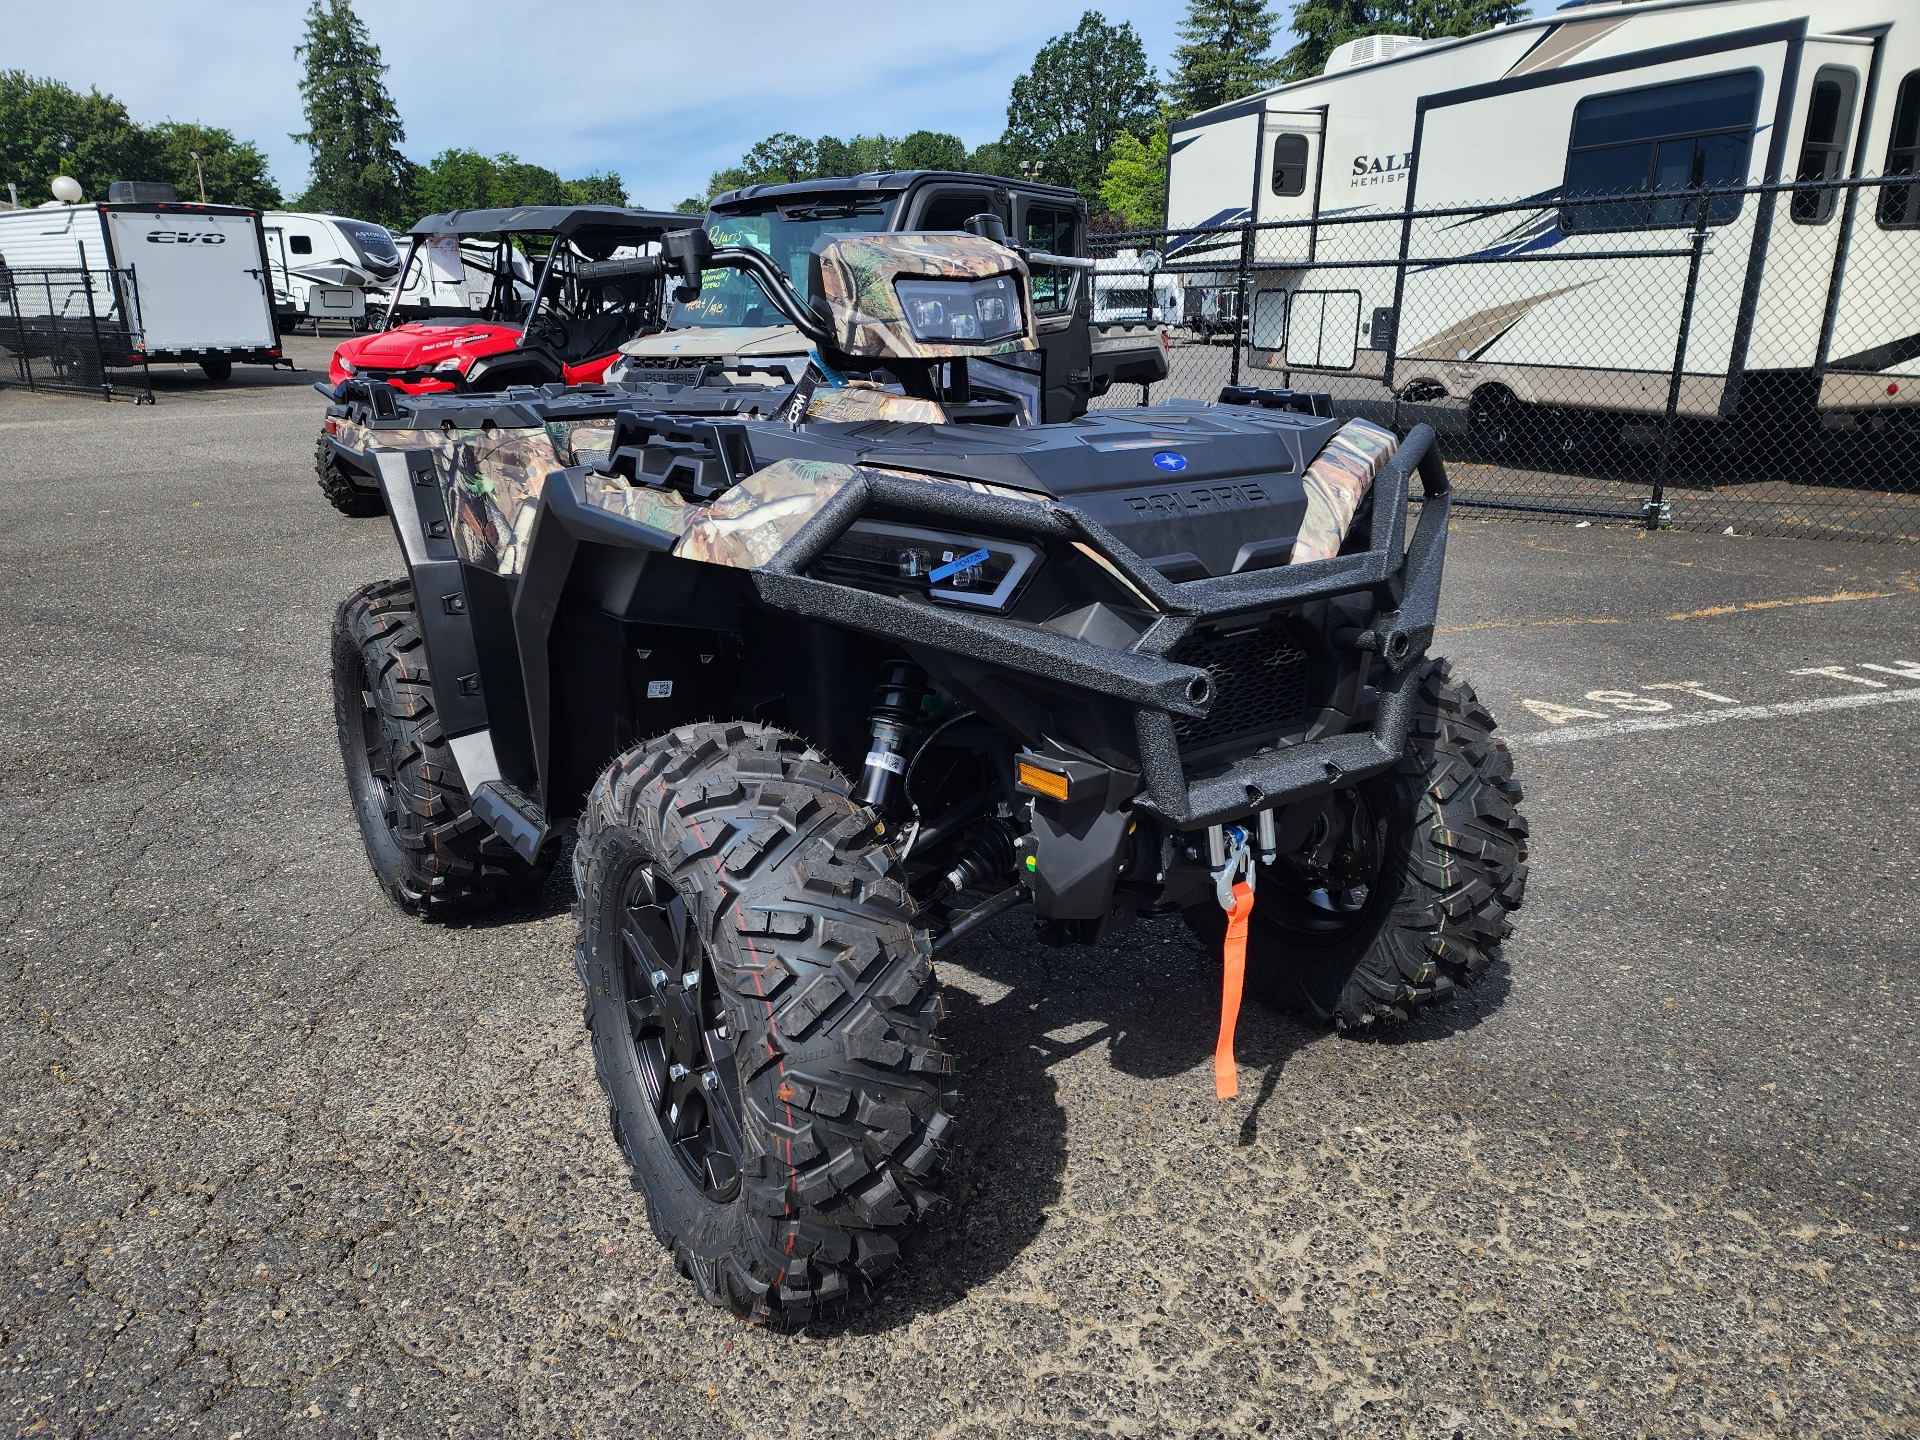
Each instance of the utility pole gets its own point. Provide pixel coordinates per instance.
(199, 175)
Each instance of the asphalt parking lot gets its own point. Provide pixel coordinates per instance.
(277, 1160)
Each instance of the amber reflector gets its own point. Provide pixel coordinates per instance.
(1044, 781)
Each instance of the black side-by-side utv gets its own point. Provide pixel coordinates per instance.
(818, 689)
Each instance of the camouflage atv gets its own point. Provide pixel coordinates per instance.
(819, 692)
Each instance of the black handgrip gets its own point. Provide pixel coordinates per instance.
(612, 272)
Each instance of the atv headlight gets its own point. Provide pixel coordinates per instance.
(458, 362)
(967, 311)
(618, 369)
(942, 566)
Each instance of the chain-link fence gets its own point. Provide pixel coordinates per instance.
(1745, 357)
(63, 329)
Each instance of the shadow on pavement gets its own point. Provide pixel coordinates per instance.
(1017, 1011)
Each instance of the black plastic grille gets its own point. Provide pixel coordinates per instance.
(1259, 684)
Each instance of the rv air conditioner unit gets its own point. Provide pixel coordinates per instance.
(1366, 51)
(142, 192)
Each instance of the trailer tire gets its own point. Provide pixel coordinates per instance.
(785, 1113)
(80, 365)
(218, 369)
(1449, 865)
(1496, 422)
(432, 855)
(348, 498)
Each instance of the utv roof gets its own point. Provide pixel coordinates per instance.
(882, 182)
(565, 221)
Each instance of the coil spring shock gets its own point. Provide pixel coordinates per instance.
(895, 721)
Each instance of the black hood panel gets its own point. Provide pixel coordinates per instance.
(1200, 490)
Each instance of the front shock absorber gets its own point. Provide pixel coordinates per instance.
(896, 726)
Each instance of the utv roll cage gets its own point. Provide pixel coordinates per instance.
(574, 234)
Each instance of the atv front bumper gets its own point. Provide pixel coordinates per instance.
(1401, 577)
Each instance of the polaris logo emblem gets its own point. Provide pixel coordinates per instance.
(1167, 460)
(186, 237)
(1201, 497)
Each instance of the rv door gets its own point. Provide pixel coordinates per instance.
(1287, 185)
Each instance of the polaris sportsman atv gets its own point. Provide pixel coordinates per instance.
(567, 328)
(820, 693)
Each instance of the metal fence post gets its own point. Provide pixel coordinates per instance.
(93, 324)
(20, 360)
(1657, 510)
(1240, 279)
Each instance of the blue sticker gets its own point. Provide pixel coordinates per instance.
(954, 567)
(1167, 460)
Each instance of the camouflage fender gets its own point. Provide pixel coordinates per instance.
(746, 527)
(849, 404)
(1336, 482)
(855, 284)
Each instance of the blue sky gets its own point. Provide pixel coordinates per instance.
(664, 94)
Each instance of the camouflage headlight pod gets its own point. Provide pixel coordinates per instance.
(921, 297)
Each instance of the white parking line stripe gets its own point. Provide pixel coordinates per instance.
(1714, 717)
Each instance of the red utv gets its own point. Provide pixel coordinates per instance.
(492, 298)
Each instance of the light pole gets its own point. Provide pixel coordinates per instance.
(200, 175)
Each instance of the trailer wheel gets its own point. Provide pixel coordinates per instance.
(762, 1013)
(1496, 422)
(1405, 884)
(337, 485)
(218, 369)
(431, 853)
(78, 364)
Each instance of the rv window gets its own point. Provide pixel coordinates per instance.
(1290, 153)
(1900, 204)
(1823, 149)
(300, 244)
(1643, 146)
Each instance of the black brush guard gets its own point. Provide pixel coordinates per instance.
(1403, 579)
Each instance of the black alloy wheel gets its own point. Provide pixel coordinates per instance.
(677, 1023)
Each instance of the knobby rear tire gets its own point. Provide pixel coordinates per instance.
(345, 496)
(431, 853)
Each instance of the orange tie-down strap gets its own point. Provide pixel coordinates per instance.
(1226, 1076)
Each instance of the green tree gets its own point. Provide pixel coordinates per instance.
(1086, 88)
(454, 180)
(1443, 19)
(1135, 185)
(1323, 25)
(930, 150)
(519, 183)
(49, 129)
(1223, 54)
(235, 170)
(850, 157)
(780, 159)
(992, 158)
(692, 205)
(353, 129)
(595, 189)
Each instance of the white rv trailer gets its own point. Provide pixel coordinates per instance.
(324, 265)
(1809, 298)
(452, 276)
(1131, 288)
(199, 290)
